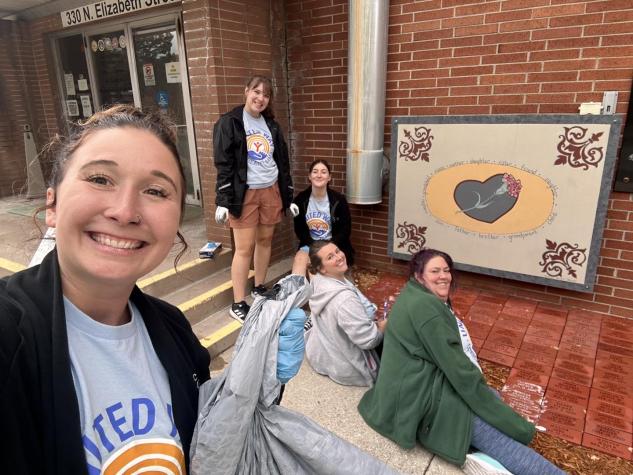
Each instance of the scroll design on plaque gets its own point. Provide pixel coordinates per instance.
(412, 236)
(416, 145)
(561, 257)
(577, 149)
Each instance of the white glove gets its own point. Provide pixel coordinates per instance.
(221, 214)
(294, 210)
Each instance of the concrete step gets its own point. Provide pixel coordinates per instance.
(218, 331)
(170, 280)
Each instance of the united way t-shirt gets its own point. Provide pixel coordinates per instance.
(467, 344)
(261, 167)
(318, 218)
(124, 397)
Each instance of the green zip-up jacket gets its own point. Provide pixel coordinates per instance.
(427, 388)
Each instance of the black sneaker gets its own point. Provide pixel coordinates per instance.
(239, 311)
(258, 290)
(308, 324)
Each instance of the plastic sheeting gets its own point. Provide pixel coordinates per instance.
(241, 431)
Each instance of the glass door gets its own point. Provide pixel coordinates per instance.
(140, 62)
(111, 68)
(159, 74)
(77, 98)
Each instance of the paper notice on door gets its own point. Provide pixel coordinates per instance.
(86, 106)
(148, 74)
(73, 108)
(70, 84)
(172, 71)
(82, 84)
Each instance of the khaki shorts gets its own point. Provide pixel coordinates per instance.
(261, 206)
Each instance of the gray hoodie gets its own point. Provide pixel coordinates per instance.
(341, 341)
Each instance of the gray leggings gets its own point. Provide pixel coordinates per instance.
(516, 457)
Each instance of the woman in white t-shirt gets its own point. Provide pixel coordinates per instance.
(94, 374)
(253, 184)
(323, 215)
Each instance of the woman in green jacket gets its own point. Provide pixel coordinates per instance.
(430, 387)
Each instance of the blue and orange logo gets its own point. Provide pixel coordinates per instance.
(318, 227)
(163, 456)
(258, 147)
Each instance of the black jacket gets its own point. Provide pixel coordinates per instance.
(230, 157)
(39, 412)
(341, 221)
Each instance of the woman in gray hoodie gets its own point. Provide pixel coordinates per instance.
(341, 343)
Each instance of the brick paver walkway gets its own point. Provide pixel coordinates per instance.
(571, 370)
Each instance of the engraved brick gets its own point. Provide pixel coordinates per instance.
(614, 358)
(500, 348)
(546, 350)
(608, 432)
(563, 432)
(614, 377)
(587, 351)
(568, 386)
(568, 365)
(547, 360)
(578, 400)
(533, 377)
(544, 333)
(610, 386)
(576, 358)
(611, 398)
(537, 339)
(612, 421)
(493, 357)
(572, 376)
(606, 446)
(533, 366)
(574, 423)
(553, 326)
(563, 406)
(511, 324)
(615, 349)
(497, 336)
(612, 367)
(625, 336)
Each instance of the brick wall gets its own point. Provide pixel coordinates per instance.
(227, 42)
(449, 57)
(28, 95)
(13, 106)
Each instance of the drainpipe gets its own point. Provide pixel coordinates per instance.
(366, 78)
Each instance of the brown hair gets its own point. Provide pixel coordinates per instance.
(266, 82)
(315, 259)
(322, 161)
(60, 149)
(420, 259)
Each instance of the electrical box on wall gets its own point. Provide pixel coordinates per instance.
(624, 171)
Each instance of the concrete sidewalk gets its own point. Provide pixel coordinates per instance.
(333, 406)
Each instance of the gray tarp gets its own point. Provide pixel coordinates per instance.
(241, 431)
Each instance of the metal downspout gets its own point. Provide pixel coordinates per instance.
(367, 71)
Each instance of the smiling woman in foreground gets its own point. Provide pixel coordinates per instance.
(430, 387)
(94, 374)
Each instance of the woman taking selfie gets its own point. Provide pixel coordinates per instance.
(94, 374)
(430, 387)
(253, 184)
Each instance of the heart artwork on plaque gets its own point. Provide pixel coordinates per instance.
(488, 200)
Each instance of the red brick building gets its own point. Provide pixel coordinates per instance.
(445, 57)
